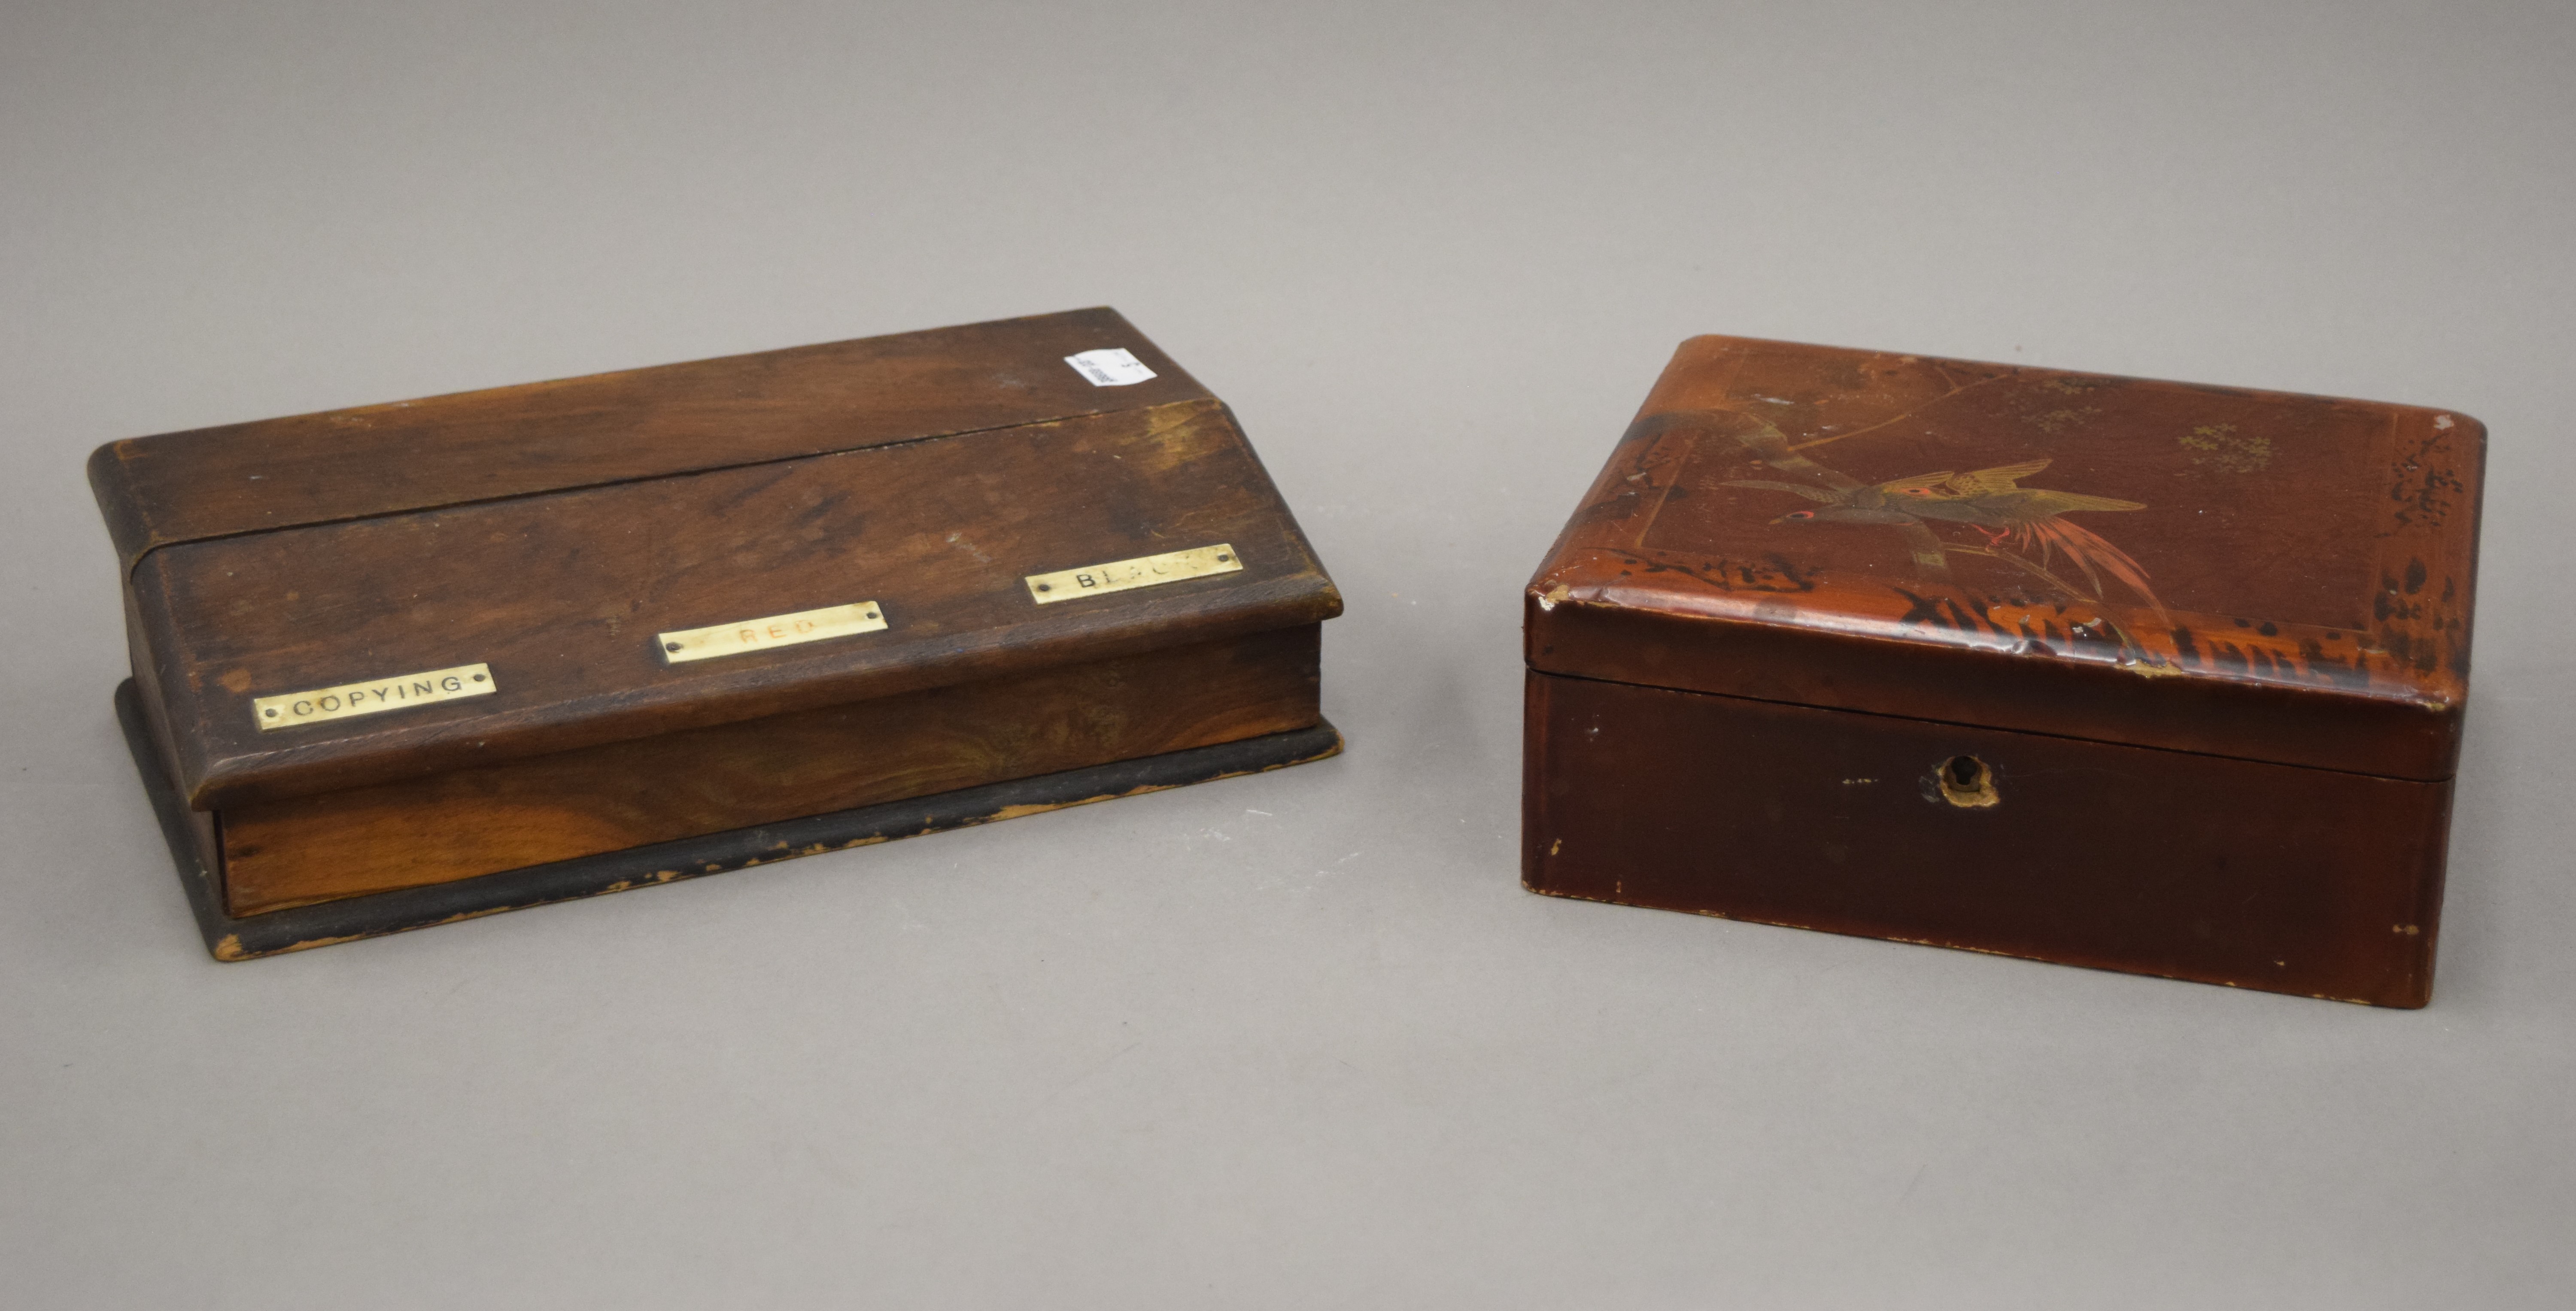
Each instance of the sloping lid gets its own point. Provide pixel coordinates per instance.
(2242, 573)
(613, 427)
(563, 598)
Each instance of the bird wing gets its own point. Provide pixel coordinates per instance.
(2024, 506)
(1927, 484)
(2047, 502)
(1986, 481)
(1818, 494)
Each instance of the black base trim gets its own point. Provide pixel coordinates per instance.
(324, 923)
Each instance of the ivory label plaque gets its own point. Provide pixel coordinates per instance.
(1143, 571)
(748, 635)
(396, 693)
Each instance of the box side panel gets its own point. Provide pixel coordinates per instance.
(610, 798)
(612, 427)
(151, 708)
(2116, 857)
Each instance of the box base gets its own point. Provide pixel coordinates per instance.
(347, 919)
(2271, 877)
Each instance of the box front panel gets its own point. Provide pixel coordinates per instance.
(711, 780)
(2129, 858)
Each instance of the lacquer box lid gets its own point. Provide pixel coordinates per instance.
(2240, 573)
(539, 565)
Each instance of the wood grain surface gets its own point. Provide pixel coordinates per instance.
(657, 789)
(563, 594)
(611, 427)
(554, 531)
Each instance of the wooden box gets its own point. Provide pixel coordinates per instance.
(2136, 675)
(409, 663)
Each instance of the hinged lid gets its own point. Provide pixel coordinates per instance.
(611, 552)
(2241, 573)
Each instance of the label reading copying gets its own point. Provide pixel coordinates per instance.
(1143, 571)
(384, 694)
(1110, 366)
(747, 635)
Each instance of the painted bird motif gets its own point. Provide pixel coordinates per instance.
(1849, 499)
(1992, 501)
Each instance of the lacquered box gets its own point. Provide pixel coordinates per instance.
(2145, 676)
(409, 663)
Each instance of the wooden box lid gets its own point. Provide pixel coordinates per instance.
(2241, 573)
(554, 532)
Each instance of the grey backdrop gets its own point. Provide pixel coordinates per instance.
(1298, 1040)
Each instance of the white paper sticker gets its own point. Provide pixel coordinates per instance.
(1109, 367)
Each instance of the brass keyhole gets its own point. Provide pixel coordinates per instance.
(1964, 781)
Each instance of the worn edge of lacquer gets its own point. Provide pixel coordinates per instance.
(132, 530)
(349, 919)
